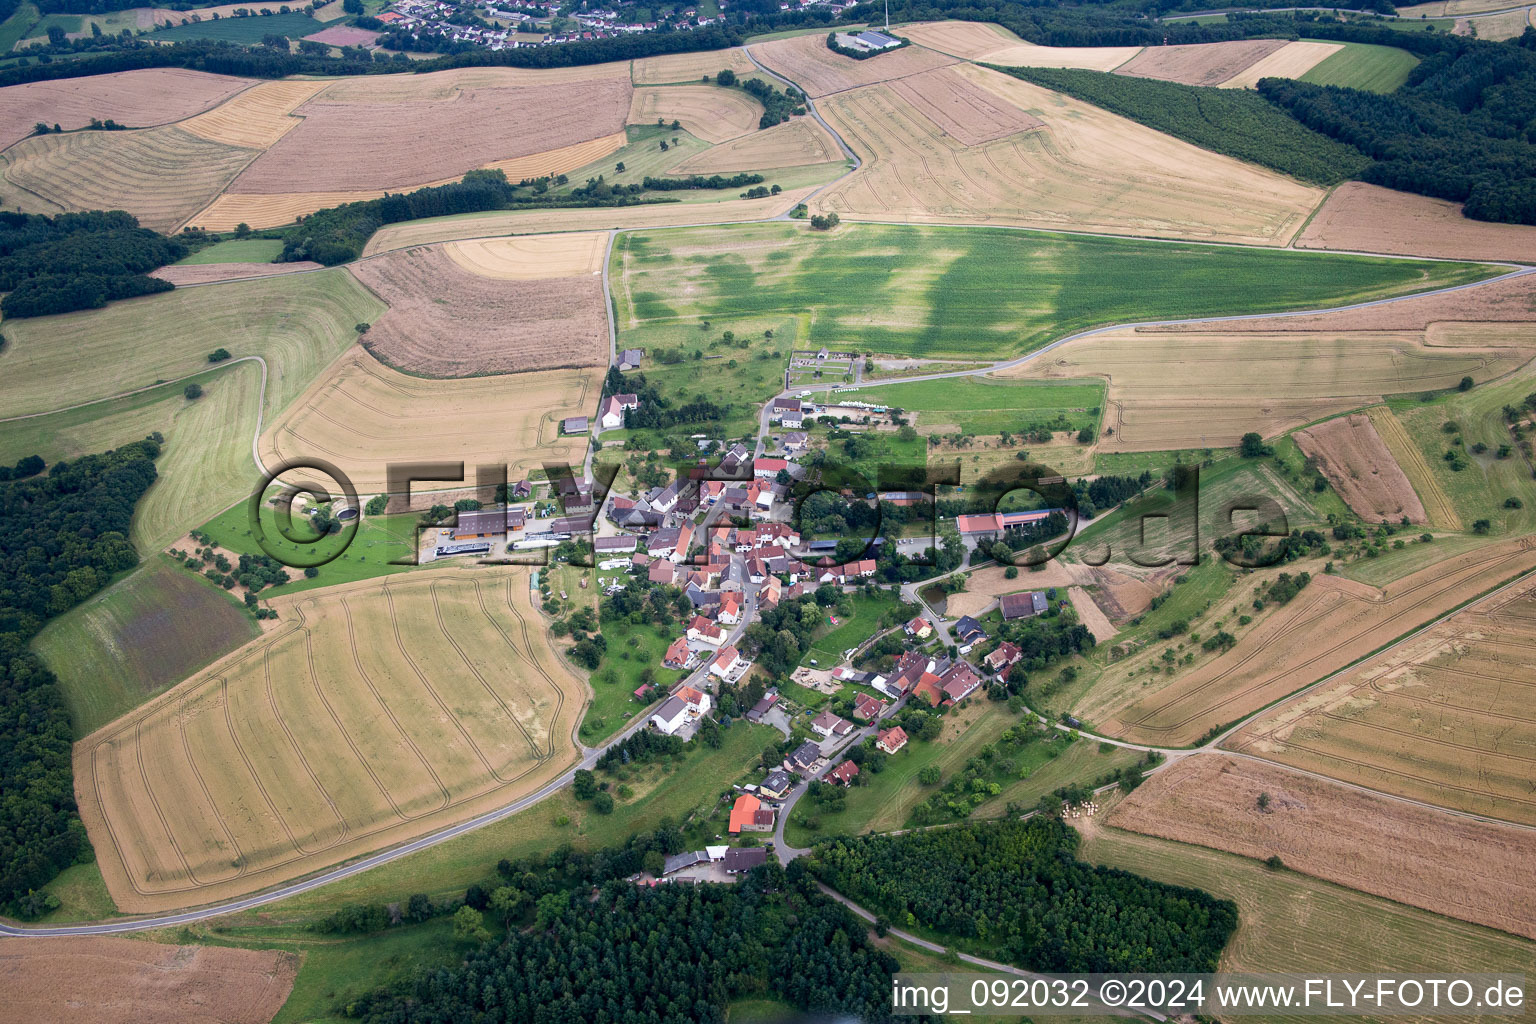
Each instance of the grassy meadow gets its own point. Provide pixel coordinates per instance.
(979, 405)
(1364, 66)
(971, 292)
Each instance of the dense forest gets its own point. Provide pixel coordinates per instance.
(63, 536)
(1016, 889)
(673, 953)
(78, 261)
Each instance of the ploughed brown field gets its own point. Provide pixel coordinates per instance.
(1199, 63)
(398, 142)
(1361, 468)
(105, 979)
(1329, 624)
(444, 321)
(1476, 871)
(1369, 218)
(137, 99)
(806, 61)
(1446, 718)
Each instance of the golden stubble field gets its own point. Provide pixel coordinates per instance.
(1175, 388)
(1328, 625)
(708, 112)
(362, 416)
(794, 143)
(1472, 870)
(1084, 169)
(1447, 718)
(374, 713)
(138, 99)
(993, 44)
(806, 61)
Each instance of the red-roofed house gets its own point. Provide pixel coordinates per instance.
(843, 774)
(959, 681)
(929, 688)
(892, 739)
(920, 628)
(1002, 659)
(727, 661)
(867, 708)
(704, 631)
(749, 815)
(677, 653)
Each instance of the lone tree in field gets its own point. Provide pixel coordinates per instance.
(193, 391)
(1263, 802)
(1465, 385)
(1252, 446)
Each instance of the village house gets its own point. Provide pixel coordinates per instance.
(728, 662)
(677, 654)
(830, 726)
(968, 631)
(867, 708)
(630, 358)
(679, 861)
(705, 631)
(929, 688)
(892, 740)
(749, 815)
(843, 774)
(729, 610)
(742, 859)
(624, 542)
(959, 681)
(769, 467)
(611, 415)
(763, 706)
(489, 524)
(787, 411)
(919, 628)
(993, 526)
(1022, 606)
(685, 705)
(1003, 658)
(776, 785)
(662, 571)
(803, 758)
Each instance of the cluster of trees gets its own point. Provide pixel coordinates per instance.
(1460, 129)
(1107, 492)
(30, 465)
(78, 261)
(1016, 889)
(824, 223)
(697, 181)
(657, 409)
(848, 51)
(1282, 588)
(643, 747)
(1235, 122)
(63, 536)
(673, 953)
(778, 105)
(781, 635)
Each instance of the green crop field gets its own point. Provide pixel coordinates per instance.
(206, 462)
(1290, 922)
(1363, 66)
(1487, 480)
(969, 292)
(380, 540)
(236, 250)
(242, 30)
(14, 28)
(145, 633)
(978, 405)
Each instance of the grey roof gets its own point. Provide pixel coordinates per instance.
(965, 626)
(670, 709)
(574, 424)
(686, 860)
(805, 754)
(873, 38)
(739, 859)
(624, 542)
(777, 781)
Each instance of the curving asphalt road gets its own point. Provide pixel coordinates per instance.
(590, 754)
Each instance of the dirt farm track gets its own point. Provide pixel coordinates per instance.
(376, 713)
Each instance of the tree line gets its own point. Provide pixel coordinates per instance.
(78, 261)
(1017, 890)
(63, 536)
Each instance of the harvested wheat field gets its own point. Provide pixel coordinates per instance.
(707, 112)
(353, 416)
(1368, 218)
(1199, 63)
(228, 212)
(344, 35)
(375, 713)
(961, 108)
(1292, 60)
(675, 68)
(795, 143)
(806, 61)
(1091, 615)
(446, 322)
(1085, 170)
(1352, 456)
(482, 225)
(531, 257)
(209, 273)
(559, 161)
(1446, 718)
(1475, 871)
(1172, 388)
(256, 118)
(160, 175)
(1329, 624)
(993, 44)
(138, 99)
(401, 138)
(106, 979)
